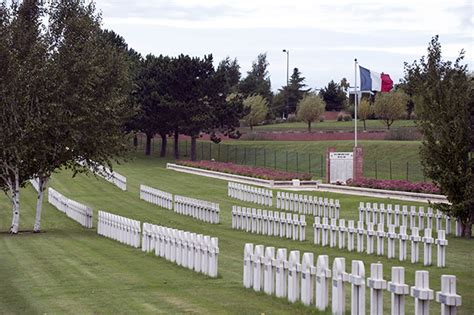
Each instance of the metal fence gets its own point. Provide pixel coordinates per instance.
(291, 161)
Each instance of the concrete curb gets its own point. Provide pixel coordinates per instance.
(312, 186)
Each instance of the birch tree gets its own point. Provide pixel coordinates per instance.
(22, 87)
(84, 115)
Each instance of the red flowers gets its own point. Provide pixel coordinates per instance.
(245, 170)
(402, 185)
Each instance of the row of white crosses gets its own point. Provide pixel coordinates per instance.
(381, 213)
(73, 209)
(156, 196)
(199, 209)
(190, 250)
(122, 229)
(322, 207)
(248, 193)
(332, 234)
(111, 176)
(300, 280)
(273, 223)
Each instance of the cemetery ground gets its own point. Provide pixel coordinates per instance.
(372, 124)
(70, 269)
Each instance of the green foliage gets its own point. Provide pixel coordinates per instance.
(257, 81)
(334, 96)
(444, 95)
(293, 93)
(64, 89)
(258, 109)
(390, 106)
(364, 111)
(310, 109)
(278, 105)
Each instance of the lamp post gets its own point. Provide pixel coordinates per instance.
(287, 79)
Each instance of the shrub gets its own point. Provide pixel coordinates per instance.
(403, 134)
(340, 117)
(399, 185)
(347, 117)
(245, 170)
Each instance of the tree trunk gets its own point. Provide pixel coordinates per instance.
(42, 181)
(251, 127)
(148, 145)
(467, 230)
(164, 143)
(135, 141)
(309, 126)
(193, 148)
(365, 126)
(16, 203)
(176, 144)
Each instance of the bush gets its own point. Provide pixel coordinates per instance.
(340, 117)
(399, 185)
(292, 118)
(403, 134)
(347, 117)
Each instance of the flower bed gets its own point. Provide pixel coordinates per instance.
(401, 185)
(245, 170)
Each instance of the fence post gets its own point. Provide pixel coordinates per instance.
(390, 163)
(309, 163)
(274, 159)
(375, 169)
(407, 170)
(296, 162)
(264, 158)
(322, 166)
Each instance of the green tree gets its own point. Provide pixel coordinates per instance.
(278, 104)
(22, 95)
(71, 103)
(445, 108)
(390, 106)
(310, 109)
(364, 111)
(257, 81)
(258, 109)
(294, 92)
(155, 112)
(229, 71)
(334, 96)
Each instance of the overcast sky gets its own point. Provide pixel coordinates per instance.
(323, 37)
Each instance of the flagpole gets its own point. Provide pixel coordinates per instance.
(356, 100)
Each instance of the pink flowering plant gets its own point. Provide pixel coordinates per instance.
(401, 185)
(245, 170)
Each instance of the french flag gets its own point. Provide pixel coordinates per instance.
(374, 81)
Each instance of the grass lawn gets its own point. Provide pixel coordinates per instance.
(69, 269)
(332, 125)
(382, 159)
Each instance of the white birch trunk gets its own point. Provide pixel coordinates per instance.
(16, 203)
(42, 181)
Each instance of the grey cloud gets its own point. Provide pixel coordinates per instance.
(169, 10)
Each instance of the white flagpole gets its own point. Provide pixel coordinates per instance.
(356, 100)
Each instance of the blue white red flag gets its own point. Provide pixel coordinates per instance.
(374, 81)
